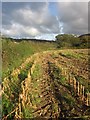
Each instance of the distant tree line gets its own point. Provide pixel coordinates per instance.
(72, 41)
(62, 40)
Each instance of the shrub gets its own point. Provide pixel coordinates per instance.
(23, 75)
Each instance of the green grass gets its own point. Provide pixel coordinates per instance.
(14, 83)
(15, 53)
(72, 54)
(56, 74)
(27, 113)
(7, 106)
(37, 73)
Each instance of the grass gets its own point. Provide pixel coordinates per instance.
(14, 53)
(23, 74)
(37, 72)
(71, 54)
(7, 106)
(82, 81)
(13, 90)
(27, 113)
(56, 74)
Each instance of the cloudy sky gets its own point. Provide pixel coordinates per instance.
(44, 19)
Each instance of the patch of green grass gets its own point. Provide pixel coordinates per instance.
(62, 79)
(14, 83)
(27, 112)
(23, 74)
(69, 99)
(37, 72)
(56, 74)
(35, 84)
(68, 55)
(29, 65)
(54, 70)
(38, 100)
(72, 54)
(55, 107)
(82, 80)
(7, 106)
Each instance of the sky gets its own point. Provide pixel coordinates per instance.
(44, 20)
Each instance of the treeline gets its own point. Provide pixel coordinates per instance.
(25, 39)
(72, 41)
(62, 41)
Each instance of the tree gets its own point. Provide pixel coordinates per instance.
(67, 41)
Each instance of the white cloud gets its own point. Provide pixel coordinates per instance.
(29, 20)
(18, 30)
(74, 16)
(31, 31)
(34, 19)
(29, 16)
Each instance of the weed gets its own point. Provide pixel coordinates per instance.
(28, 112)
(37, 72)
(23, 74)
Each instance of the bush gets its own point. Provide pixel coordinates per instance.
(23, 75)
(67, 41)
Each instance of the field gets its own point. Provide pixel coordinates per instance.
(48, 84)
(14, 53)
